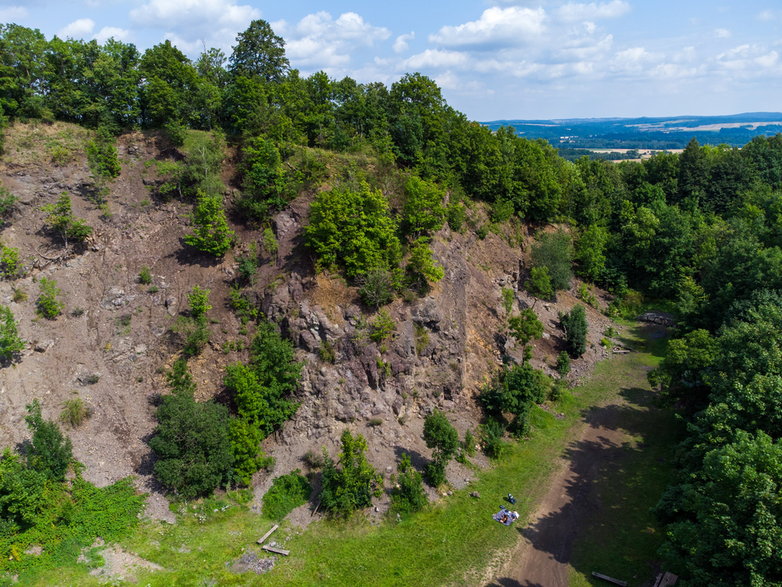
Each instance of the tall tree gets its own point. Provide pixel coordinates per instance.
(259, 52)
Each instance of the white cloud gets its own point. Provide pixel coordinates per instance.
(13, 13)
(436, 58)
(574, 12)
(78, 29)
(722, 33)
(401, 42)
(192, 23)
(767, 15)
(111, 32)
(318, 41)
(497, 27)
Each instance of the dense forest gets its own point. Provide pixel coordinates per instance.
(700, 231)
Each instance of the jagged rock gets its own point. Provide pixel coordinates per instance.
(43, 346)
(116, 298)
(428, 313)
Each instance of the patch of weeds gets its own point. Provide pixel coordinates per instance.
(91, 379)
(326, 352)
(123, 324)
(286, 493)
(244, 309)
(384, 367)
(19, 295)
(153, 289)
(10, 264)
(145, 275)
(313, 459)
(77, 312)
(374, 422)
(421, 338)
(508, 297)
(586, 295)
(75, 412)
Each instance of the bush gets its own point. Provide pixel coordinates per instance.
(422, 270)
(442, 438)
(408, 494)
(50, 452)
(492, 433)
(198, 298)
(61, 221)
(539, 283)
(10, 341)
(382, 327)
(10, 264)
(376, 287)
(351, 483)
(353, 230)
(508, 299)
(563, 363)
(456, 216)
(48, 305)
(423, 211)
(554, 251)
(286, 493)
(525, 327)
(7, 203)
(575, 325)
(102, 155)
(211, 233)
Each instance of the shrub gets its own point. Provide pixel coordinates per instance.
(554, 251)
(145, 275)
(61, 221)
(241, 305)
(10, 341)
(102, 155)
(492, 433)
(211, 233)
(351, 482)
(382, 327)
(422, 270)
(352, 229)
(7, 203)
(456, 216)
(48, 305)
(539, 283)
(421, 337)
(10, 265)
(423, 211)
(408, 494)
(74, 412)
(376, 287)
(286, 493)
(563, 363)
(508, 298)
(525, 327)
(442, 438)
(575, 325)
(247, 264)
(198, 298)
(50, 452)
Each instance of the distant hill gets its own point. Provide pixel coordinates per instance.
(647, 133)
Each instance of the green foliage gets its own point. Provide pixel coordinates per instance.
(514, 392)
(382, 327)
(263, 179)
(456, 215)
(351, 482)
(102, 155)
(590, 253)
(198, 299)
(352, 229)
(575, 325)
(408, 494)
(179, 379)
(525, 327)
(539, 283)
(563, 363)
(50, 452)
(585, 295)
(554, 251)
(211, 233)
(423, 212)
(48, 304)
(7, 202)
(376, 287)
(10, 265)
(61, 221)
(240, 303)
(421, 269)
(10, 341)
(269, 241)
(442, 438)
(145, 275)
(247, 264)
(192, 446)
(259, 52)
(508, 298)
(492, 434)
(286, 493)
(74, 412)
(260, 391)
(421, 337)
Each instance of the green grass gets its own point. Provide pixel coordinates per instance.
(451, 542)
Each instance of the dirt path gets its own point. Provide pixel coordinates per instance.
(543, 557)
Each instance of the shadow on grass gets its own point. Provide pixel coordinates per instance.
(597, 484)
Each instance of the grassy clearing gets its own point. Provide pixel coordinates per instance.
(451, 542)
(622, 543)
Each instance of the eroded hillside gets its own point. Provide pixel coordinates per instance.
(114, 339)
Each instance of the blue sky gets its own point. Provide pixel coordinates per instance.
(493, 59)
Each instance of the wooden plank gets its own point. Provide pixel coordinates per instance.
(668, 579)
(276, 550)
(269, 533)
(609, 579)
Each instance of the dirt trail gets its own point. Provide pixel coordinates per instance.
(543, 557)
